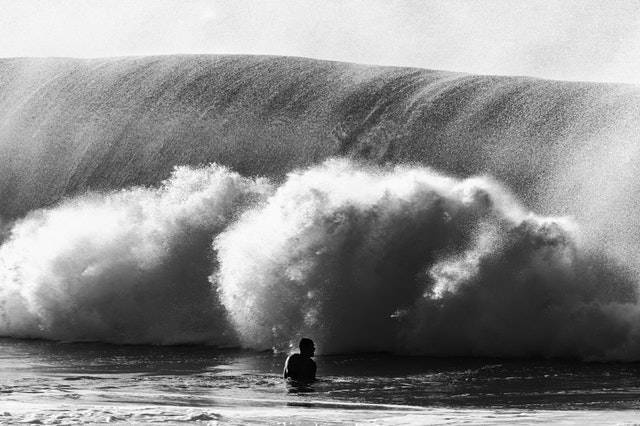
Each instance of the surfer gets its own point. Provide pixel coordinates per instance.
(300, 367)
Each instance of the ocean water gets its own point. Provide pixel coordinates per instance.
(481, 232)
(53, 383)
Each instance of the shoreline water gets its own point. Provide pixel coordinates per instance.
(286, 414)
(52, 382)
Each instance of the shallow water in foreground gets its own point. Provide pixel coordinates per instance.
(46, 382)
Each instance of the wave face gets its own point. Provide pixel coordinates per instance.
(187, 199)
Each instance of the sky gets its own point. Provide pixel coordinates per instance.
(558, 39)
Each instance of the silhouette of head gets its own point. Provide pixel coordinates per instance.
(307, 347)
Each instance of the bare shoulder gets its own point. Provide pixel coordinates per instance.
(292, 358)
(291, 365)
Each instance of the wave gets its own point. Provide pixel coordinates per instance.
(360, 257)
(466, 215)
(72, 125)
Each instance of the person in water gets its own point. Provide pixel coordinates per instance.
(300, 367)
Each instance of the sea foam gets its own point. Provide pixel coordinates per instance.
(403, 259)
(129, 266)
(358, 257)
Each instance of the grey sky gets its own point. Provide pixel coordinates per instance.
(576, 40)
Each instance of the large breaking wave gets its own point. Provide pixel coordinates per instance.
(466, 215)
(360, 257)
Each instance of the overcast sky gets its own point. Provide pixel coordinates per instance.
(574, 40)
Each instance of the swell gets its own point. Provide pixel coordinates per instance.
(69, 125)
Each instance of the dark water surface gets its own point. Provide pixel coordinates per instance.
(190, 374)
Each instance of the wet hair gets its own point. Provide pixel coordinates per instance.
(305, 342)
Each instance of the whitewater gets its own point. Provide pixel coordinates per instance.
(363, 258)
(238, 203)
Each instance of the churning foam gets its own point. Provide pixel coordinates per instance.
(128, 266)
(409, 261)
(360, 258)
